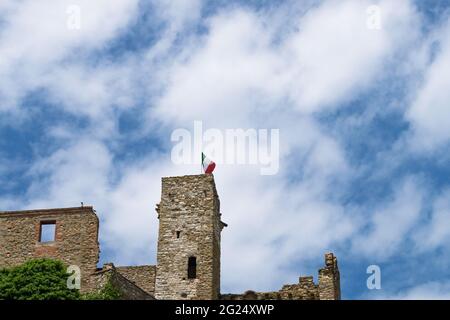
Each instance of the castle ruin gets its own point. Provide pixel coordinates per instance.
(188, 255)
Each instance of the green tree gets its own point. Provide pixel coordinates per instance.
(38, 279)
(108, 292)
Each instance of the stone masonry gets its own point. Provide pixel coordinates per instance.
(129, 290)
(142, 276)
(327, 289)
(188, 255)
(75, 241)
(189, 228)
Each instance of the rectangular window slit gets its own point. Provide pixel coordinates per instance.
(192, 268)
(47, 231)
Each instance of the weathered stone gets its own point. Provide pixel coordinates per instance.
(76, 238)
(327, 289)
(329, 279)
(128, 290)
(189, 227)
(141, 276)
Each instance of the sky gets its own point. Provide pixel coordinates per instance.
(91, 91)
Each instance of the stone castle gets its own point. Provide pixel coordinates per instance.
(188, 255)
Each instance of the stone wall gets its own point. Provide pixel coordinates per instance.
(75, 243)
(128, 290)
(142, 276)
(189, 226)
(327, 289)
(329, 279)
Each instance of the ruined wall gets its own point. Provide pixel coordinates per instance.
(142, 276)
(76, 238)
(327, 289)
(329, 279)
(127, 289)
(305, 289)
(189, 226)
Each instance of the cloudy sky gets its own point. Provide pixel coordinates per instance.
(90, 92)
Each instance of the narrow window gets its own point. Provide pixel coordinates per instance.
(178, 234)
(47, 231)
(192, 268)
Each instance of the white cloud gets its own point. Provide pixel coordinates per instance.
(178, 13)
(388, 227)
(35, 37)
(435, 232)
(429, 114)
(427, 291)
(44, 35)
(336, 55)
(242, 65)
(206, 86)
(94, 92)
(78, 172)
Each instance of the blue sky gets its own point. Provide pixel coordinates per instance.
(86, 115)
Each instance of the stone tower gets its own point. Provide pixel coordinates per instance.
(188, 259)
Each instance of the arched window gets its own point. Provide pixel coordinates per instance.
(192, 268)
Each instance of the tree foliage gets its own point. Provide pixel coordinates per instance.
(108, 292)
(38, 279)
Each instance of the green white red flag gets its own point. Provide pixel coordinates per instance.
(207, 164)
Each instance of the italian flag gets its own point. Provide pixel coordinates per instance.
(208, 165)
